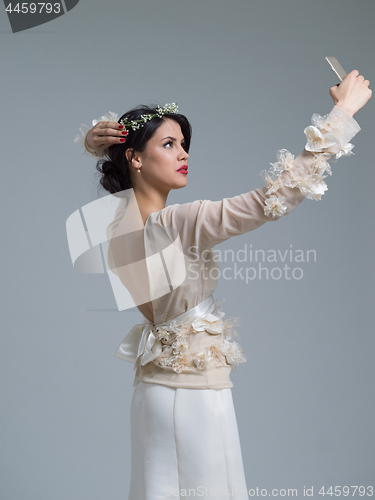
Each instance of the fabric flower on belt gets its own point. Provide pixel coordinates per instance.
(233, 352)
(211, 323)
(222, 354)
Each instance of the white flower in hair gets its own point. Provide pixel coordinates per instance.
(316, 141)
(110, 117)
(81, 139)
(160, 112)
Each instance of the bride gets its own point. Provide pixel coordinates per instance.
(184, 436)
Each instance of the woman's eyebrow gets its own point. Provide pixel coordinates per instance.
(169, 137)
(172, 138)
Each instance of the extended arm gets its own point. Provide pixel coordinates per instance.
(290, 180)
(206, 223)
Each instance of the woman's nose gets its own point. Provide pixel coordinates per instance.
(183, 154)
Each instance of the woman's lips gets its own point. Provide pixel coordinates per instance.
(183, 170)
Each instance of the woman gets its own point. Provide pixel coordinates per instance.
(184, 432)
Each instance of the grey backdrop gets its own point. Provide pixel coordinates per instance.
(249, 75)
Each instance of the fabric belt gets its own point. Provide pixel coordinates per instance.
(140, 346)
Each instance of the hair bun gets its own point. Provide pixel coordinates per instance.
(113, 179)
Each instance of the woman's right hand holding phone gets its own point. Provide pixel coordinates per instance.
(352, 93)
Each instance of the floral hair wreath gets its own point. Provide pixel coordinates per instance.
(113, 117)
(160, 112)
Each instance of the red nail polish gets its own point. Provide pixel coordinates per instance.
(122, 140)
(121, 126)
(125, 132)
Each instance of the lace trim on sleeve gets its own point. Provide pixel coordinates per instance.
(324, 142)
(81, 139)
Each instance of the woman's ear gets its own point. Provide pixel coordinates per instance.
(133, 158)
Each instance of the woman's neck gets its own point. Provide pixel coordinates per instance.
(149, 202)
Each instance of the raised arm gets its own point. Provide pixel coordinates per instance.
(205, 223)
(105, 132)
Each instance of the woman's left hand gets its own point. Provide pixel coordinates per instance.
(103, 135)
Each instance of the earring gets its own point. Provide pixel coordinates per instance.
(139, 170)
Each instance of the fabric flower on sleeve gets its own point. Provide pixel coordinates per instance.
(312, 184)
(274, 206)
(345, 151)
(274, 177)
(326, 138)
(330, 123)
(316, 141)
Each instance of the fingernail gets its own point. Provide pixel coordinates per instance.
(125, 132)
(121, 126)
(122, 140)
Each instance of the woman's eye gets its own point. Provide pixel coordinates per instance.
(169, 143)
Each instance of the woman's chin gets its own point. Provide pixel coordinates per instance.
(182, 183)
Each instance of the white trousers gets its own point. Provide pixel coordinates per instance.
(184, 444)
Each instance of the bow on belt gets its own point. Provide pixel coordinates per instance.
(140, 342)
(140, 346)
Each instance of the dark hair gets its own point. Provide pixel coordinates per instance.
(114, 167)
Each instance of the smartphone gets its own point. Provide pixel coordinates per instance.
(336, 68)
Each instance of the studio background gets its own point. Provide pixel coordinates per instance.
(249, 75)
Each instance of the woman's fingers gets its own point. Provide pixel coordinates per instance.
(104, 142)
(109, 128)
(352, 93)
(107, 133)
